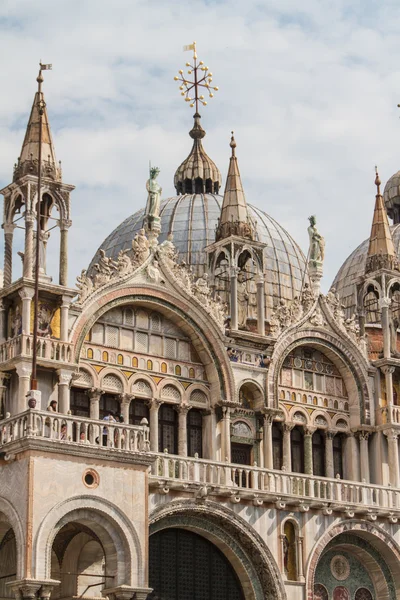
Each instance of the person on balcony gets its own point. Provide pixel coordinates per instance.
(111, 419)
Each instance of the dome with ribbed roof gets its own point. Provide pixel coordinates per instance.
(391, 197)
(193, 218)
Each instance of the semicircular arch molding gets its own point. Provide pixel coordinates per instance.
(204, 334)
(115, 531)
(242, 545)
(134, 387)
(352, 369)
(12, 519)
(381, 543)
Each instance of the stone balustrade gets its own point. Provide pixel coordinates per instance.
(69, 429)
(266, 484)
(48, 349)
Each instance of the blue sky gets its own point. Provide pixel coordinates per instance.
(310, 89)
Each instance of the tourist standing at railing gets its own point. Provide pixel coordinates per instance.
(52, 407)
(110, 418)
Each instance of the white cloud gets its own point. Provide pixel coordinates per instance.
(310, 89)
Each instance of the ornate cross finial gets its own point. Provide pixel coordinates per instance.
(202, 78)
(377, 182)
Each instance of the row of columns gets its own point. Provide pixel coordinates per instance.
(30, 250)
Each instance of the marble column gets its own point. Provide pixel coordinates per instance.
(384, 304)
(64, 226)
(183, 410)
(3, 322)
(308, 457)
(388, 371)
(8, 245)
(351, 458)
(64, 381)
(364, 455)
(300, 567)
(234, 299)
(94, 396)
(154, 406)
(259, 279)
(28, 254)
(287, 448)
(267, 442)
(64, 315)
(125, 400)
(393, 456)
(209, 437)
(329, 462)
(24, 371)
(26, 295)
(226, 434)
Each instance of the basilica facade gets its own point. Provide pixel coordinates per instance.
(210, 425)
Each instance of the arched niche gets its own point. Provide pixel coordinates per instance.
(251, 396)
(8, 559)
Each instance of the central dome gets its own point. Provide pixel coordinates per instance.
(193, 218)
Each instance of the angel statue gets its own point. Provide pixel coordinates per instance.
(317, 242)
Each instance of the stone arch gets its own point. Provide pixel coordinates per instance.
(197, 387)
(112, 527)
(256, 390)
(109, 373)
(206, 337)
(9, 518)
(175, 383)
(350, 364)
(299, 409)
(325, 415)
(242, 545)
(148, 380)
(380, 542)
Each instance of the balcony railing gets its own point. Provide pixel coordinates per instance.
(76, 430)
(246, 481)
(47, 349)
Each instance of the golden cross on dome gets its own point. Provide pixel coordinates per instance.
(200, 78)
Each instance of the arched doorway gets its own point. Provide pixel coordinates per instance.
(185, 565)
(8, 560)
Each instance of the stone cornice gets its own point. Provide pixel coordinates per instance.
(64, 450)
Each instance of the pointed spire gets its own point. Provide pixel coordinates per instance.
(234, 218)
(198, 174)
(28, 159)
(381, 252)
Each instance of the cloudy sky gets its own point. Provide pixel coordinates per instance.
(310, 88)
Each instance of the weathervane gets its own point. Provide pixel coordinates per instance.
(202, 78)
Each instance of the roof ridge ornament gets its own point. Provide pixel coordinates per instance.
(202, 78)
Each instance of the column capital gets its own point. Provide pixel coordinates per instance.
(392, 434)
(64, 376)
(124, 592)
(23, 369)
(64, 224)
(362, 434)
(65, 301)
(330, 434)
(182, 409)
(287, 427)
(259, 279)
(309, 431)
(384, 302)
(234, 270)
(154, 403)
(387, 369)
(9, 227)
(26, 293)
(95, 393)
(29, 588)
(29, 216)
(126, 398)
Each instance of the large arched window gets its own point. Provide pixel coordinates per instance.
(338, 455)
(138, 410)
